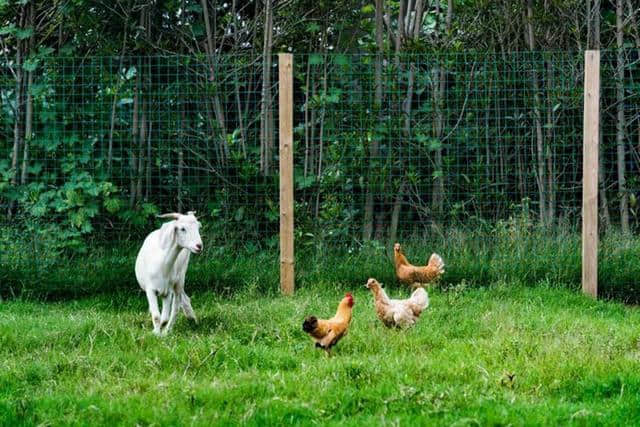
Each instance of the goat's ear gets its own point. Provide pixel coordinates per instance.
(167, 234)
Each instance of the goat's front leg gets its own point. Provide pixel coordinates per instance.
(166, 309)
(152, 298)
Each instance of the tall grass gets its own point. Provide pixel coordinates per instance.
(511, 251)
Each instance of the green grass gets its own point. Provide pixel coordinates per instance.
(510, 252)
(94, 361)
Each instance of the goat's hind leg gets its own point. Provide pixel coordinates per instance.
(175, 307)
(185, 302)
(152, 298)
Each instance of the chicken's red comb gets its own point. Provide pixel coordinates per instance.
(348, 294)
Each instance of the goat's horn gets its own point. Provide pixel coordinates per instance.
(172, 215)
(191, 213)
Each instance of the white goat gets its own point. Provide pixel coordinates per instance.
(162, 264)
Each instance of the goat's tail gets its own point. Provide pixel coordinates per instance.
(185, 305)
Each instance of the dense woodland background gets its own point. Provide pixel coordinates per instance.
(410, 115)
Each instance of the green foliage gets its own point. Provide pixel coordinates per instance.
(68, 209)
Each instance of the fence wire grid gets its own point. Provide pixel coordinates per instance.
(103, 144)
(383, 147)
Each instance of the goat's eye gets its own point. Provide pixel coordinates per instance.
(183, 229)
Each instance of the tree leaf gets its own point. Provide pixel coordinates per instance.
(7, 29)
(434, 144)
(239, 214)
(315, 59)
(313, 27)
(368, 9)
(44, 51)
(112, 205)
(30, 64)
(341, 59)
(131, 72)
(23, 33)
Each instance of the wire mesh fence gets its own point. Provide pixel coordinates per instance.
(101, 144)
(620, 138)
(388, 148)
(385, 147)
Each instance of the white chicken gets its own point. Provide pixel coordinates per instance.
(398, 313)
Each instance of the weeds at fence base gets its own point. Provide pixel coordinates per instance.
(508, 252)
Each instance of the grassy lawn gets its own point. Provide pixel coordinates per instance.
(500, 354)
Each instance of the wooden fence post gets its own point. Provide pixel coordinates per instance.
(591, 129)
(285, 87)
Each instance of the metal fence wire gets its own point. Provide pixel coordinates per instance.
(384, 148)
(102, 144)
(388, 149)
(620, 138)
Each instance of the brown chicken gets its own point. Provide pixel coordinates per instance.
(414, 275)
(327, 333)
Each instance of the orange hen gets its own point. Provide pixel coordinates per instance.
(327, 333)
(411, 274)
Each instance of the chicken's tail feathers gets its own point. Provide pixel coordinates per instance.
(310, 324)
(436, 262)
(420, 298)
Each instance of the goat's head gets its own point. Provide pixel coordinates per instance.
(186, 230)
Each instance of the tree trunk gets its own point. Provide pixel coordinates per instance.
(149, 163)
(636, 37)
(321, 134)
(541, 175)
(28, 127)
(266, 142)
(620, 122)
(549, 153)
(594, 22)
(133, 160)
(437, 192)
(367, 228)
(437, 201)
(395, 213)
(115, 97)
(596, 26)
(414, 31)
(212, 59)
(241, 124)
(306, 120)
(314, 114)
(17, 125)
(180, 173)
(141, 149)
